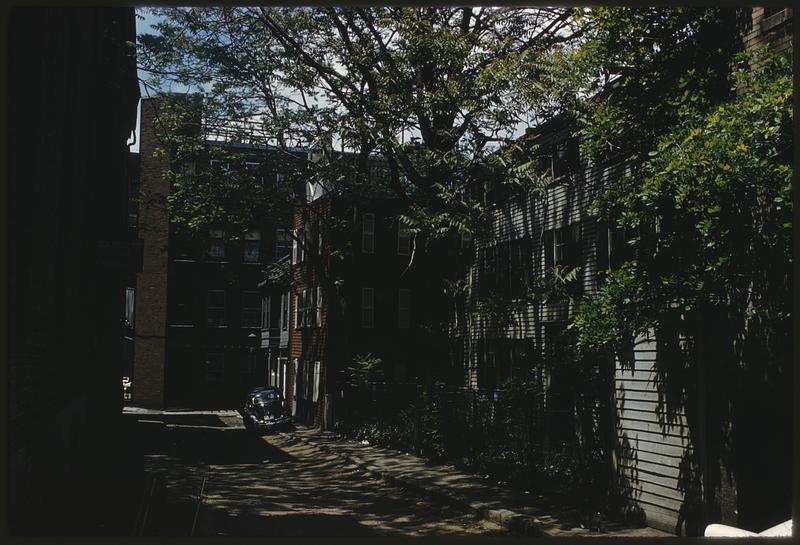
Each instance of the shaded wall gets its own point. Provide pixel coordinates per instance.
(72, 106)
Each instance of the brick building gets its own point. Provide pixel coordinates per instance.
(348, 292)
(72, 107)
(197, 303)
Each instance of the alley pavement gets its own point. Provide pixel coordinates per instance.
(523, 513)
(207, 476)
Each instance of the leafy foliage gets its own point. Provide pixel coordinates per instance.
(435, 91)
(712, 210)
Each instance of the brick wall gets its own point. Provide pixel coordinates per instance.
(308, 344)
(151, 283)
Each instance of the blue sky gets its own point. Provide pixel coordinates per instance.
(144, 26)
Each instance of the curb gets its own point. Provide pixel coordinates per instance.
(511, 520)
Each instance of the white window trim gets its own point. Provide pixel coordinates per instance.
(316, 383)
(294, 246)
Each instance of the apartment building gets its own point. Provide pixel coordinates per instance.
(350, 289)
(198, 310)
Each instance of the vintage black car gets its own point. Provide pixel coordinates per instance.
(265, 410)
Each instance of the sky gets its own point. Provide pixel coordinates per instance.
(144, 24)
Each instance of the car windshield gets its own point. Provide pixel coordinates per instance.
(266, 397)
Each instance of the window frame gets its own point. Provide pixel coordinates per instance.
(403, 234)
(250, 311)
(367, 310)
(404, 311)
(367, 219)
(317, 374)
(285, 307)
(223, 322)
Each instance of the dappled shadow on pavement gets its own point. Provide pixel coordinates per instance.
(278, 486)
(217, 447)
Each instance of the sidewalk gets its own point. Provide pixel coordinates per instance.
(508, 508)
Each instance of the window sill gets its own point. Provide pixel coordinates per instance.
(184, 261)
(217, 326)
(181, 325)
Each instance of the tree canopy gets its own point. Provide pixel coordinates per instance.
(435, 92)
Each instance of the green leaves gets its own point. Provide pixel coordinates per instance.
(719, 188)
(368, 79)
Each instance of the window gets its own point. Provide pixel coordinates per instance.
(309, 308)
(265, 312)
(216, 250)
(368, 233)
(298, 245)
(216, 308)
(367, 307)
(403, 239)
(317, 374)
(619, 249)
(215, 368)
(250, 309)
(503, 269)
(563, 246)
(466, 240)
(285, 311)
(279, 179)
(487, 258)
(218, 166)
(181, 313)
(404, 308)
(565, 157)
(254, 168)
(520, 266)
(130, 301)
(283, 243)
(252, 247)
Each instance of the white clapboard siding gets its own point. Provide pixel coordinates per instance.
(650, 450)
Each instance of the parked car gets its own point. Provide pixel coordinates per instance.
(265, 410)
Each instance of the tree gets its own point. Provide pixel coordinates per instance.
(449, 79)
(711, 209)
(419, 104)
